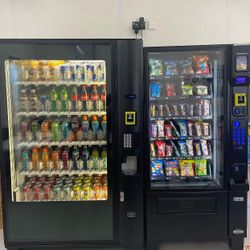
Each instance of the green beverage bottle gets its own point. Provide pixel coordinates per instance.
(53, 99)
(64, 99)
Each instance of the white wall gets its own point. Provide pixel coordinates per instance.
(179, 22)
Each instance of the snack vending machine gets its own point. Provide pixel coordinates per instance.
(196, 144)
(61, 155)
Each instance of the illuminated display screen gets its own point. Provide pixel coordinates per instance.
(241, 80)
(241, 62)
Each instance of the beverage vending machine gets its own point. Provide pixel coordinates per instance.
(196, 116)
(70, 143)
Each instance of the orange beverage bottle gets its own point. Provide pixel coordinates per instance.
(55, 159)
(45, 158)
(35, 158)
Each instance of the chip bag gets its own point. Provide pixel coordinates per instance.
(171, 168)
(201, 64)
(187, 90)
(157, 169)
(186, 67)
(200, 167)
(155, 67)
(155, 89)
(187, 167)
(171, 68)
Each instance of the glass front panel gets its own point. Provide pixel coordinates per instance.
(186, 109)
(57, 128)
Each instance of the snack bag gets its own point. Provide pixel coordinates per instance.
(169, 149)
(197, 148)
(201, 64)
(171, 168)
(186, 67)
(170, 90)
(190, 128)
(157, 169)
(204, 148)
(182, 146)
(198, 130)
(191, 109)
(205, 107)
(206, 129)
(152, 150)
(201, 90)
(175, 110)
(160, 110)
(160, 127)
(155, 89)
(183, 128)
(200, 167)
(183, 107)
(168, 131)
(167, 110)
(155, 67)
(171, 68)
(161, 148)
(187, 167)
(175, 131)
(177, 152)
(187, 89)
(190, 148)
(154, 130)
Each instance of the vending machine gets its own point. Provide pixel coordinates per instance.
(71, 158)
(195, 139)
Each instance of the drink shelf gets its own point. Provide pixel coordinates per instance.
(183, 178)
(200, 76)
(68, 113)
(59, 83)
(183, 158)
(183, 138)
(182, 97)
(61, 144)
(182, 118)
(62, 172)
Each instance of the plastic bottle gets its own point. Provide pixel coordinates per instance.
(65, 158)
(85, 157)
(104, 124)
(35, 158)
(95, 125)
(84, 97)
(64, 99)
(55, 159)
(103, 97)
(94, 98)
(104, 158)
(53, 99)
(45, 158)
(23, 100)
(95, 158)
(85, 125)
(75, 158)
(25, 160)
(74, 99)
(33, 100)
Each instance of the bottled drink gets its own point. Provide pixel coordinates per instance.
(84, 97)
(23, 100)
(100, 72)
(65, 130)
(65, 158)
(54, 70)
(95, 125)
(74, 126)
(64, 99)
(33, 100)
(45, 130)
(85, 125)
(55, 131)
(94, 97)
(24, 129)
(33, 70)
(104, 158)
(42, 71)
(80, 73)
(53, 99)
(89, 73)
(45, 158)
(23, 70)
(43, 101)
(74, 99)
(103, 97)
(85, 157)
(75, 158)
(95, 158)
(25, 160)
(104, 124)
(35, 158)
(55, 159)
(34, 130)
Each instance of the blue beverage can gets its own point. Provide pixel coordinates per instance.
(65, 130)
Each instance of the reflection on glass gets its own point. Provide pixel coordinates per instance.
(186, 108)
(58, 129)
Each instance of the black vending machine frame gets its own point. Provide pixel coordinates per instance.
(128, 69)
(187, 224)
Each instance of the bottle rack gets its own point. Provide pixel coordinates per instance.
(68, 113)
(59, 83)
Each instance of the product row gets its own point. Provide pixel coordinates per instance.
(161, 169)
(59, 70)
(76, 129)
(75, 158)
(172, 90)
(179, 129)
(184, 109)
(197, 64)
(56, 188)
(180, 148)
(63, 99)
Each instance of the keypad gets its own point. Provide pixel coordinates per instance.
(127, 140)
(239, 134)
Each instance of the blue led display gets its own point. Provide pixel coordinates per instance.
(241, 80)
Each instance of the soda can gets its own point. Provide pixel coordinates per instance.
(153, 110)
(55, 131)
(160, 110)
(65, 130)
(154, 130)
(45, 130)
